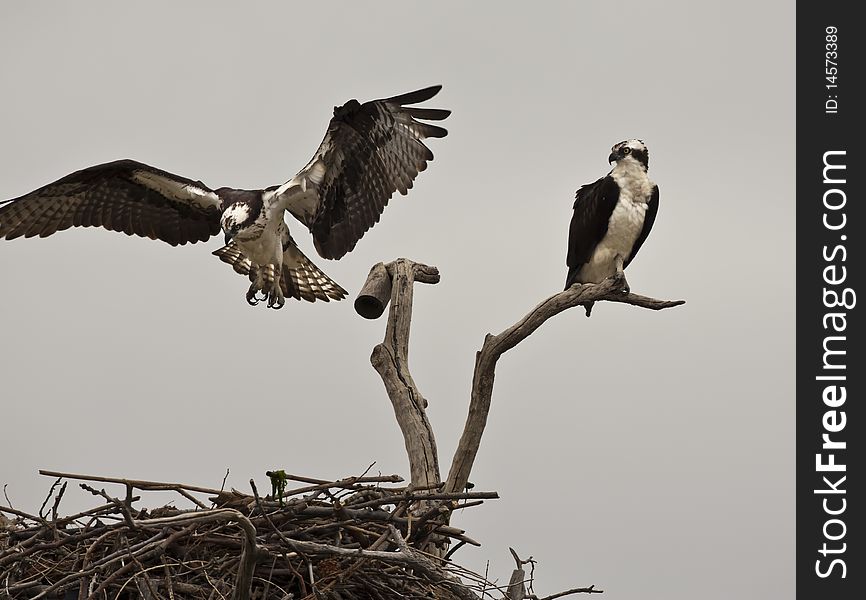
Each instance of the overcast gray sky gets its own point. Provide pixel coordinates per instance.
(650, 454)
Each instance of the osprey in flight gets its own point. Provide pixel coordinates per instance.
(612, 218)
(369, 151)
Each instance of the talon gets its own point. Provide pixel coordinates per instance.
(252, 300)
(624, 282)
(276, 300)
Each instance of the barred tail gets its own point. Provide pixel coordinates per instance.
(301, 279)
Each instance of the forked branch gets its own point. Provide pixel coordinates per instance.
(394, 282)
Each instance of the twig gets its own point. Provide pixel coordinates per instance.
(456, 547)
(23, 515)
(122, 506)
(584, 590)
(350, 483)
(48, 497)
(93, 511)
(410, 496)
(57, 501)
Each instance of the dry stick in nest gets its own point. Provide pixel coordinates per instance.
(157, 544)
(135, 483)
(404, 556)
(244, 580)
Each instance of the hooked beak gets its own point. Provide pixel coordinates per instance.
(612, 158)
(229, 237)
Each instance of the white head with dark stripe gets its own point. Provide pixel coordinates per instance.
(629, 150)
(243, 209)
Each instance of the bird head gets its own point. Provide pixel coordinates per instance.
(234, 218)
(630, 150)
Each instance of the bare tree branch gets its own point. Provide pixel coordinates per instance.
(391, 361)
(394, 282)
(496, 345)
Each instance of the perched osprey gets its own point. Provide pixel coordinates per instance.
(369, 151)
(612, 218)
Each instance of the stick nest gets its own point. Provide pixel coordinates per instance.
(354, 538)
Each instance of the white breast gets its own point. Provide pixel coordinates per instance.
(625, 224)
(261, 242)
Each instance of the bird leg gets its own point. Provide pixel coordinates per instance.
(265, 280)
(275, 293)
(252, 293)
(257, 277)
(619, 276)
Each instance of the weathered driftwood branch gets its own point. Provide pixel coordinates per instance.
(394, 282)
(391, 361)
(496, 345)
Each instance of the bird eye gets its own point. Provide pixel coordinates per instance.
(626, 150)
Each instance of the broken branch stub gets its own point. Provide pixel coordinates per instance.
(391, 361)
(376, 293)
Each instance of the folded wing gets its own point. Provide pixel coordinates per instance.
(123, 195)
(370, 151)
(592, 204)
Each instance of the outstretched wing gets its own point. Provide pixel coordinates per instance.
(123, 195)
(592, 206)
(370, 151)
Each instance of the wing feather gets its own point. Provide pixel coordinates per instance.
(370, 151)
(125, 196)
(592, 204)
